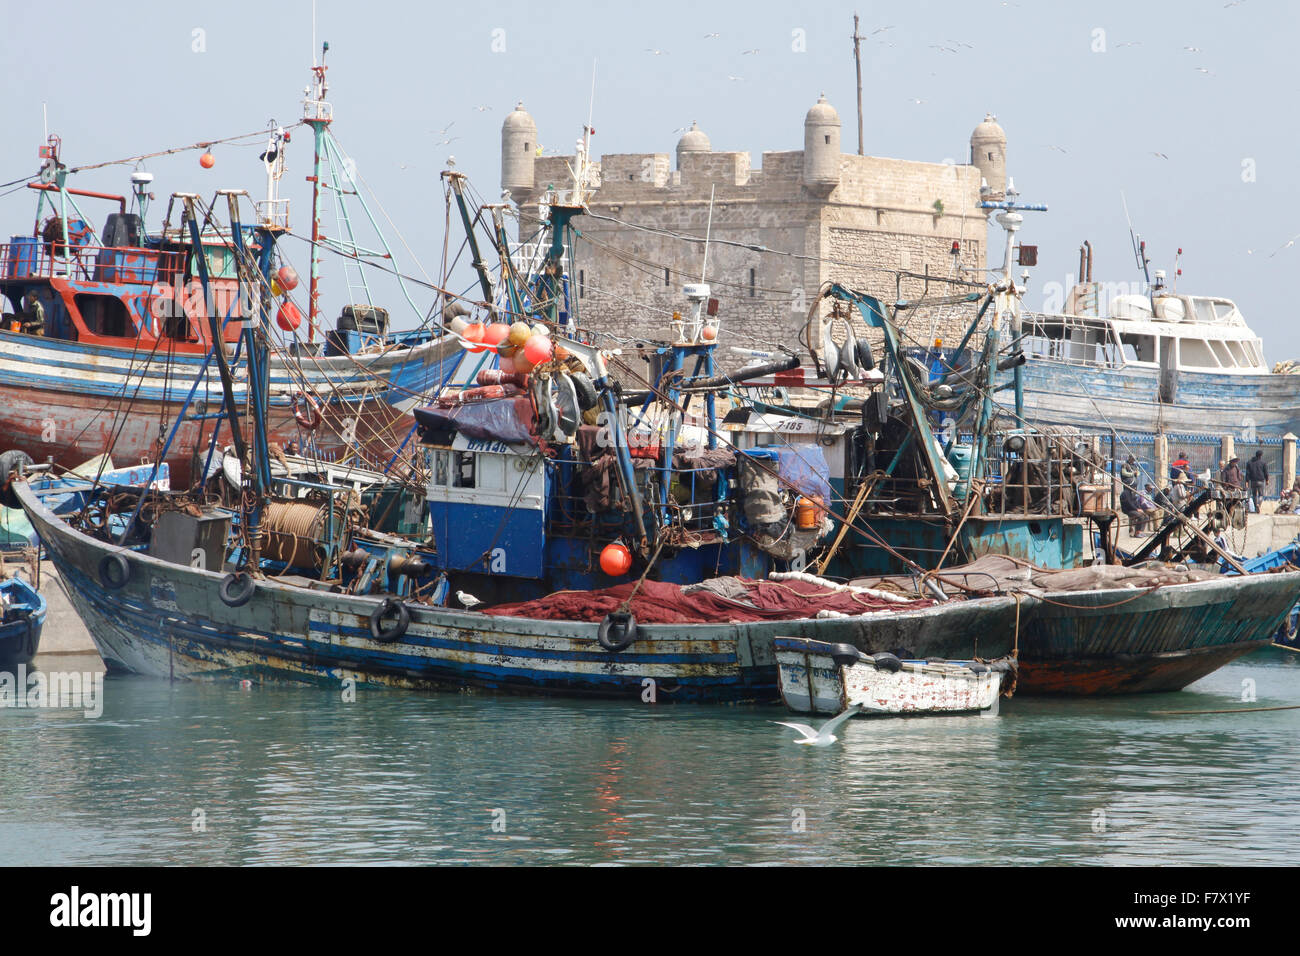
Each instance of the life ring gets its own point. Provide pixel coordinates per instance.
(237, 588)
(617, 631)
(306, 412)
(110, 563)
(387, 634)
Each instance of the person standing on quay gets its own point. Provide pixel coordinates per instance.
(1257, 475)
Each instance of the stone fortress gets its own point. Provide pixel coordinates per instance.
(847, 217)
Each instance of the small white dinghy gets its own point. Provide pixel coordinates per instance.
(820, 678)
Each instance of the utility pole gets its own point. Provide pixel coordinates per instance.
(857, 61)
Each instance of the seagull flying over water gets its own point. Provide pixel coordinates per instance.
(825, 735)
(467, 600)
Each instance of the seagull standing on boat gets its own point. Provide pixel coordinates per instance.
(825, 735)
(467, 600)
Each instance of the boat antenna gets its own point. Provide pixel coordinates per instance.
(1139, 247)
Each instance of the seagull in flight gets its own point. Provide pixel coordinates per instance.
(1161, 155)
(1201, 69)
(735, 79)
(880, 30)
(467, 600)
(656, 52)
(1234, 3)
(1129, 43)
(825, 735)
(1059, 149)
(482, 109)
(747, 52)
(1286, 245)
(712, 36)
(1193, 49)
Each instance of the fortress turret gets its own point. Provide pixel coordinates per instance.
(518, 152)
(988, 152)
(821, 148)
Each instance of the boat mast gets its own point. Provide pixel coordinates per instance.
(317, 114)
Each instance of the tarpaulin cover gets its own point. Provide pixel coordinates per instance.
(657, 602)
(503, 419)
(804, 467)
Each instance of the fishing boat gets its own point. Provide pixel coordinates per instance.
(1151, 362)
(529, 498)
(109, 335)
(22, 616)
(821, 678)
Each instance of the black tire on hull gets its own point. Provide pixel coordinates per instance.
(237, 588)
(114, 571)
(387, 633)
(11, 461)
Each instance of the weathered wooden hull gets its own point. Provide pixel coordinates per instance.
(167, 621)
(60, 400)
(811, 682)
(1120, 642)
(1096, 399)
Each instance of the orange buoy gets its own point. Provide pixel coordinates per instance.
(561, 353)
(207, 160)
(615, 559)
(709, 333)
(506, 363)
(473, 334)
(538, 349)
(287, 278)
(496, 334)
(288, 317)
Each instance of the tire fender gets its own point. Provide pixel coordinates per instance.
(387, 633)
(617, 631)
(237, 589)
(114, 571)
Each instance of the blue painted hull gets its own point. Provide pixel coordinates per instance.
(167, 621)
(1126, 400)
(20, 633)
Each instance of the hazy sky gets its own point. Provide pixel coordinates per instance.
(1088, 93)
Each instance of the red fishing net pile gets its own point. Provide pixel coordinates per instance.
(660, 603)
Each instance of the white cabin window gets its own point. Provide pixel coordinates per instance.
(1240, 358)
(1204, 310)
(440, 475)
(492, 472)
(1140, 349)
(1197, 354)
(1221, 353)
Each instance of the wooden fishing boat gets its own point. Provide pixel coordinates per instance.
(109, 335)
(820, 678)
(22, 616)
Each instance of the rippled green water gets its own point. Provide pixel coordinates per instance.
(298, 776)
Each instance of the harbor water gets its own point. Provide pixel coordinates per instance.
(216, 773)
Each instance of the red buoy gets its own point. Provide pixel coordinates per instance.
(538, 349)
(207, 160)
(615, 559)
(288, 317)
(288, 278)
